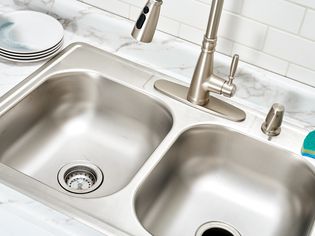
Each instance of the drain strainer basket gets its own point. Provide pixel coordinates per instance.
(80, 177)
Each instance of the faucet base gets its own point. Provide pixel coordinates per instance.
(214, 106)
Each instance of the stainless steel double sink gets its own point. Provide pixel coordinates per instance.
(88, 135)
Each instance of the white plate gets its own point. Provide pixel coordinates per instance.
(29, 32)
(31, 59)
(32, 54)
(22, 55)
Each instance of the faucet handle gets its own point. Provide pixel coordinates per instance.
(233, 68)
(228, 88)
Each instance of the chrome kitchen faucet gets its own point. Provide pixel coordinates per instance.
(203, 80)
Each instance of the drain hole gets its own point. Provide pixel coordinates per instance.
(216, 228)
(217, 232)
(80, 177)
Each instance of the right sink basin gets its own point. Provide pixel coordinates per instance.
(214, 181)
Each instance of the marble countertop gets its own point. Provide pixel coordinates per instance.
(258, 89)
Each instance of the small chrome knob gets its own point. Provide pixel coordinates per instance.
(272, 124)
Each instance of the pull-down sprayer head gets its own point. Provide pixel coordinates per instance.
(145, 26)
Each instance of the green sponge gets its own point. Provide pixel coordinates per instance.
(308, 148)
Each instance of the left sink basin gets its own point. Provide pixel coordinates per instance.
(82, 117)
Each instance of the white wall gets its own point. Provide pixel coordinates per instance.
(278, 35)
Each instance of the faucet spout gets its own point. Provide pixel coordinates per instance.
(198, 94)
(214, 19)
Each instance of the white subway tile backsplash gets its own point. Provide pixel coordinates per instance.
(138, 3)
(278, 35)
(232, 26)
(291, 48)
(306, 3)
(261, 59)
(190, 12)
(191, 34)
(230, 5)
(168, 25)
(113, 6)
(242, 30)
(196, 36)
(224, 46)
(278, 13)
(308, 29)
(301, 74)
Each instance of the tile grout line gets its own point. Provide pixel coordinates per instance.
(303, 21)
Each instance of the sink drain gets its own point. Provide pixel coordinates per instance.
(80, 177)
(216, 229)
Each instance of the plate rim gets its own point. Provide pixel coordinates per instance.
(62, 32)
(35, 59)
(33, 54)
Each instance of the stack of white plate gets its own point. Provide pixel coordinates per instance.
(29, 36)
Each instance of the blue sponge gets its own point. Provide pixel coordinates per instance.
(308, 148)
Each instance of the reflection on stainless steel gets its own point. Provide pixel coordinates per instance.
(131, 161)
(214, 174)
(203, 80)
